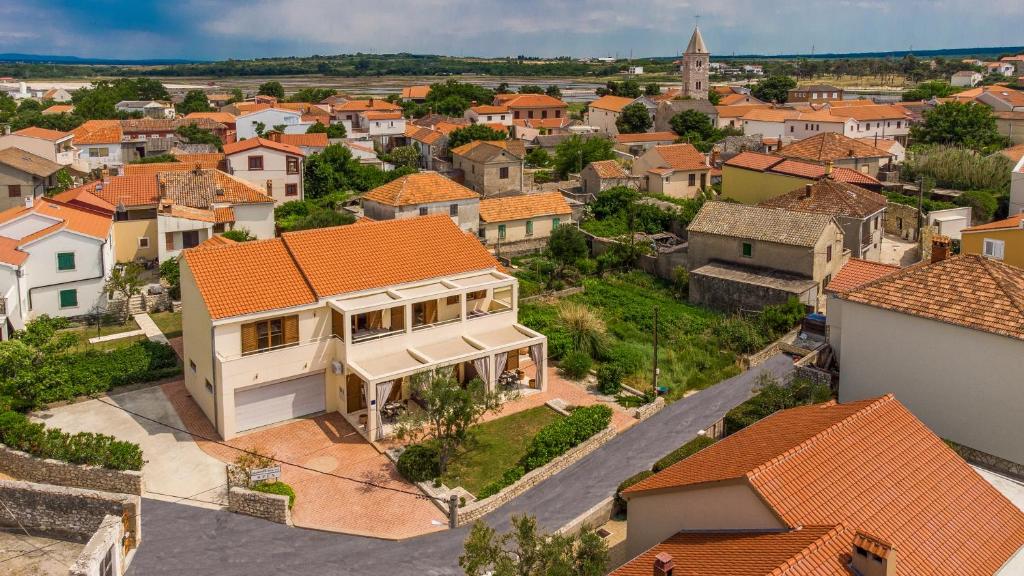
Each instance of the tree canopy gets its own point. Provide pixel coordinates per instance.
(312, 95)
(195, 101)
(332, 130)
(195, 135)
(634, 119)
(928, 90)
(627, 89)
(461, 136)
(336, 170)
(452, 97)
(971, 125)
(527, 552)
(271, 88)
(576, 152)
(774, 89)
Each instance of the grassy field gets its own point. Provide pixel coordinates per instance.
(494, 447)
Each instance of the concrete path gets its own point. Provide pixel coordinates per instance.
(181, 539)
(175, 465)
(150, 328)
(118, 336)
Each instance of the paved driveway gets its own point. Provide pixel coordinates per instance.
(186, 540)
(175, 466)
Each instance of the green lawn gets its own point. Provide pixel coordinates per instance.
(495, 447)
(168, 322)
(85, 332)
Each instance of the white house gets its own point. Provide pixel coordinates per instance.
(54, 145)
(381, 127)
(148, 108)
(289, 122)
(966, 78)
(1017, 188)
(273, 166)
(99, 144)
(768, 122)
(489, 114)
(54, 259)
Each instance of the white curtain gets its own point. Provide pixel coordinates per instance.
(482, 366)
(500, 360)
(536, 354)
(383, 391)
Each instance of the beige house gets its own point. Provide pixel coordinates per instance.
(677, 170)
(861, 488)
(747, 257)
(961, 374)
(340, 319)
(637, 144)
(602, 175)
(274, 167)
(604, 112)
(839, 151)
(523, 219)
(491, 167)
(54, 145)
(423, 194)
(24, 175)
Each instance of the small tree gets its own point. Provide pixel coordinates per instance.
(553, 91)
(537, 158)
(584, 326)
(634, 119)
(576, 152)
(239, 235)
(971, 125)
(449, 410)
(272, 88)
(473, 132)
(62, 182)
(526, 552)
(403, 156)
(652, 89)
(125, 281)
(567, 245)
(774, 89)
(195, 101)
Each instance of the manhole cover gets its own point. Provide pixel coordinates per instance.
(323, 464)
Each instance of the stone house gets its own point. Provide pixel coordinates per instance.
(604, 112)
(430, 143)
(677, 170)
(491, 167)
(602, 175)
(422, 194)
(669, 108)
(747, 257)
(815, 93)
(637, 144)
(24, 175)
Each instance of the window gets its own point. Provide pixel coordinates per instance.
(65, 261)
(143, 242)
(529, 113)
(190, 239)
(529, 227)
(748, 250)
(69, 298)
(98, 153)
(292, 165)
(693, 180)
(828, 254)
(291, 189)
(501, 231)
(423, 210)
(993, 248)
(209, 387)
(268, 334)
(554, 223)
(558, 113)
(255, 162)
(482, 232)
(452, 300)
(898, 123)
(503, 173)
(13, 190)
(698, 84)
(792, 128)
(543, 113)
(192, 365)
(453, 210)
(270, 187)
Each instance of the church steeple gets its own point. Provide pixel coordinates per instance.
(696, 45)
(695, 67)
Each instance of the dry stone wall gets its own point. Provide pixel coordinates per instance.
(24, 466)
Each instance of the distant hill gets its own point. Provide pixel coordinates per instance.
(945, 53)
(56, 59)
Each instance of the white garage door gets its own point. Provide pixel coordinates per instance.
(262, 405)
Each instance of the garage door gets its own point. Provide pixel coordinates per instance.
(262, 405)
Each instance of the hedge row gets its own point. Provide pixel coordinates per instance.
(552, 441)
(279, 488)
(17, 432)
(683, 452)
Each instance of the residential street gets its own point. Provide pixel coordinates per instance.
(180, 539)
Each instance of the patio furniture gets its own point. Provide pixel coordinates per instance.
(508, 380)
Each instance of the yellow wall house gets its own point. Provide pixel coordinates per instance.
(1000, 240)
(522, 218)
(752, 178)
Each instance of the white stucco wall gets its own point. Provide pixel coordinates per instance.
(44, 282)
(258, 219)
(245, 125)
(275, 171)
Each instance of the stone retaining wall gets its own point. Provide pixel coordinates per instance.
(24, 466)
(474, 511)
(108, 536)
(594, 517)
(647, 410)
(273, 507)
(64, 511)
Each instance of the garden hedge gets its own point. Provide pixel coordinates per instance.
(620, 502)
(683, 452)
(419, 463)
(17, 432)
(279, 488)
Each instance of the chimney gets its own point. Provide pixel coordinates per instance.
(663, 564)
(7, 129)
(940, 248)
(828, 168)
(370, 102)
(29, 201)
(872, 556)
(807, 191)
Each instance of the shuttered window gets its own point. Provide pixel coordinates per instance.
(68, 298)
(269, 334)
(65, 261)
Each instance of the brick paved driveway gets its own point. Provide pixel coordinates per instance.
(388, 507)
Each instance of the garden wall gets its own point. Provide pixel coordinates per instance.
(63, 511)
(273, 507)
(476, 510)
(27, 467)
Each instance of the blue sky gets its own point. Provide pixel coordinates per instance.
(217, 29)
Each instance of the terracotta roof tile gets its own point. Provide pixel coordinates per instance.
(856, 273)
(416, 92)
(542, 122)
(127, 190)
(646, 137)
(43, 133)
(9, 252)
(423, 134)
(98, 132)
(215, 241)
(370, 104)
(1010, 223)
(759, 223)
(829, 147)
(521, 101)
(199, 188)
(251, 143)
(523, 206)
(1014, 153)
(682, 157)
(609, 169)
(852, 176)
(82, 197)
(830, 197)
(611, 103)
(315, 140)
(226, 118)
(770, 114)
(871, 112)
(60, 109)
(753, 161)
(797, 168)
(737, 110)
(386, 115)
(28, 162)
(419, 188)
(485, 150)
(80, 220)
(147, 125)
(968, 290)
(208, 160)
(490, 109)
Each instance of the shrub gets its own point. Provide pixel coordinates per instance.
(683, 452)
(556, 438)
(773, 396)
(510, 477)
(620, 502)
(740, 336)
(279, 488)
(681, 280)
(17, 432)
(586, 266)
(584, 326)
(983, 205)
(780, 318)
(419, 463)
(576, 364)
(631, 357)
(609, 379)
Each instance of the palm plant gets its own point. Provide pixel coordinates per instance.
(586, 329)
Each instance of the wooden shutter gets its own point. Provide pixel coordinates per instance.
(337, 324)
(398, 318)
(249, 340)
(291, 329)
(430, 311)
(169, 240)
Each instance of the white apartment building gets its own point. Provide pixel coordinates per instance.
(99, 144)
(489, 114)
(291, 121)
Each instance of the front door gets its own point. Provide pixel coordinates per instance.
(355, 394)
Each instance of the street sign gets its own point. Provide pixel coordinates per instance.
(258, 474)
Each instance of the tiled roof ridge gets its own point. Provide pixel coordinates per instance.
(298, 266)
(1012, 292)
(243, 183)
(809, 549)
(897, 274)
(830, 430)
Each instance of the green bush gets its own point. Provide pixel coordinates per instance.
(683, 452)
(620, 502)
(630, 356)
(511, 476)
(983, 205)
(609, 379)
(279, 488)
(576, 364)
(740, 336)
(556, 438)
(17, 432)
(419, 463)
(773, 396)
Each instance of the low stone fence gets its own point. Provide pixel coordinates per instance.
(650, 409)
(757, 358)
(24, 466)
(273, 507)
(553, 294)
(594, 517)
(90, 561)
(476, 510)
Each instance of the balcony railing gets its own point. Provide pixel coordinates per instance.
(367, 335)
(433, 324)
(3, 306)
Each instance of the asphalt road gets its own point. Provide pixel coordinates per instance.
(180, 539)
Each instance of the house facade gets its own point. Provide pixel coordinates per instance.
(341, 319)
(55, 260)
(290, 122)
(489, 114)
(815, 93)
(533, 106)
(99, 144)
(491, 167)
(147, 108)
(752, 178)
(602, 175)
(604, 112)
(523, 219)
(837, 150)
(966, 78)
(54, 145)
(677, 170)
(274, 167)
(424, 194)
(1001, 240)
(24, 175)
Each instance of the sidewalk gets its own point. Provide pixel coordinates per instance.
(150, 328)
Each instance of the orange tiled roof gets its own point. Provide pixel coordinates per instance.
(484, 150)
(204, 159)
(415, 92)
(830, 197)
(98, 132)
(753, 161)
(870, 467)
(419, 188)
(248, 277)
(224, 214)
(856, 273)
(682, 157)
(829, 147)
(737, 110)
(542, 122)
(871, 112)
(1005, 224)
(226, 118)
(611, 103)
(128, 190)
(87, 222)
(447, 127)
(154, 168)
(375, 115)
(967, 290)
(490, 109)
(251, 143)
(314, 140)
(82, 197)
(1014, 153)
(533, 101)
(215, 241)
(199, 188)
(734, 99)
(770, 114)
(42, 133)
(646, 137)
(378, 254)
(609, 169)
(523, 206)
(852, 176)
(801, 169)
(9, 252)
(422, 134)
(60, 109)
(364, 105)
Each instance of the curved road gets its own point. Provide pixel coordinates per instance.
(180, 539)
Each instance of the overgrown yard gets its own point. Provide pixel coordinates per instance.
(494, 447)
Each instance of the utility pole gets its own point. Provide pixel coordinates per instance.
(655, 378)
(920, 223)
